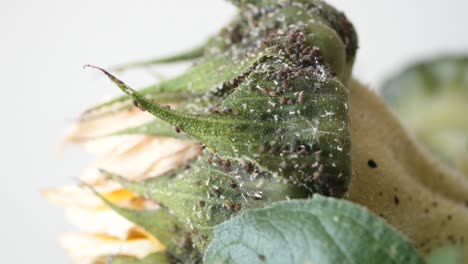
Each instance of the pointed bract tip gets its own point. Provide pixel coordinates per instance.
(125, 88)
(86, 185)
(107, 174)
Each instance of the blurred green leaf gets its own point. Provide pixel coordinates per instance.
(431, 98)
(447, 255)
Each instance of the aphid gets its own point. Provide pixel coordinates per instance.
(215, 191)
(307, 59)
(280, 75)
(264, 148)
(316, 52)
(257, 195)
(210, 158)
(283, 100)
(302, 149)
(227, 111)
(273, 149)
(280, 131)
(177, 130)
(201, 203)
(229, 205)
(273, 94)
(226, 166)
(248, 167)
(136, 104)
(197, 182)
(301, 97)
(233, 185)
(213, 111)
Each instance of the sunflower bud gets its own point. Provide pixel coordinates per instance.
(277, 129)
(263, 116)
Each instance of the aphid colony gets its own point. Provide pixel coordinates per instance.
(277, 129)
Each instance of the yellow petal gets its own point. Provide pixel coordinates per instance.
(72, 196)
(119, 195)
(100, 221)
(90, 128)
(76, 197)
(87, 248)
(144, 158)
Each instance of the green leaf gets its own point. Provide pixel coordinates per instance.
(446, 255)
(319, 230)
(431, 98)
(163, 225)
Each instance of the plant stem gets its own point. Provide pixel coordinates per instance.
(397, 179)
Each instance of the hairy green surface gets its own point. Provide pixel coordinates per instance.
(211, 192)
(305, 142)
(164, 226)
(319, 230)
(156, 127)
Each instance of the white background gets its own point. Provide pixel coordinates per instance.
(43, 45)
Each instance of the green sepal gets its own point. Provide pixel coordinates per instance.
(212, 191)
(155, 127)
(162, 225)
(205, 77)
(301, 134)
(188, 55)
